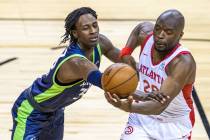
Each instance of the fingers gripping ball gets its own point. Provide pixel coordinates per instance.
(120, 79)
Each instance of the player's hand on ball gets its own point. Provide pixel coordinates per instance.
(155, 96)
(124, 104)
(158, 96)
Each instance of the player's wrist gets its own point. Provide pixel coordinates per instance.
(125, 51)
(132, 108)
(94, 77)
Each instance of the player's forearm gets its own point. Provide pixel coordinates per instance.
(132, 43)
(138, 95)
(133, 40)
(94, 77)
(113, 55)
(147, 108)
(139, 33)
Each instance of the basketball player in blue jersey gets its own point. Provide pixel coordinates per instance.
(38, 113)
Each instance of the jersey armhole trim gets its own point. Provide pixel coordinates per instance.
(145, 41)
(180, 53)
(99, 50)
(59, 65)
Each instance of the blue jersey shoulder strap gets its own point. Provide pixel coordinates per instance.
(46, 91)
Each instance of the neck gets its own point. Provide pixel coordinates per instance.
(161, 55)
(158, 56)
(86, 49)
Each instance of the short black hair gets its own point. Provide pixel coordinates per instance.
(71, 20)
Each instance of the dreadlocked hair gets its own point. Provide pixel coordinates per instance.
(71, 20)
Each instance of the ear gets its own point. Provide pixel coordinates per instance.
(182, 33)
(74, 32)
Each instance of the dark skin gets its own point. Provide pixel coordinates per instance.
(87, 34)
(167, 32)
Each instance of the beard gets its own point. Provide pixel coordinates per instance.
(161, 47)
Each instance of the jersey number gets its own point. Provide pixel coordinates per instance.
(148, 87)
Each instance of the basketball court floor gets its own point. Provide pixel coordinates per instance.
(30, 29)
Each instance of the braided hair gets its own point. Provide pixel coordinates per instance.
(72, 19)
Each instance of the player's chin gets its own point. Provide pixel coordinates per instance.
(160, 48)
(93, 43)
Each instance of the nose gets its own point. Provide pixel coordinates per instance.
(161, 35)
(93, 30)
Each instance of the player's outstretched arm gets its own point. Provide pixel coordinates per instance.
(139, 34)
(78, 68)
(181, 72)
(123, 104)
(109, 50)
(155, 96)
(136, 38)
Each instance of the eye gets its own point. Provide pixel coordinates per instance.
(157, 28)
(95, 25)
(169, 32)
(85, 27)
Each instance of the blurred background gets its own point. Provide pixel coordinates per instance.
(30, 29)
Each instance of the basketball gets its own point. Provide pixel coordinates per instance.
(120, 79)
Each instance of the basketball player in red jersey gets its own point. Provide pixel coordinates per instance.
(166, 67)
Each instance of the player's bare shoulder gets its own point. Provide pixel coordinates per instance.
(185, 59)
(185, 64)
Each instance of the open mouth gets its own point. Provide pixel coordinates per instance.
(94, 39)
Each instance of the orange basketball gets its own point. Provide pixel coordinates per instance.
(121, 79)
